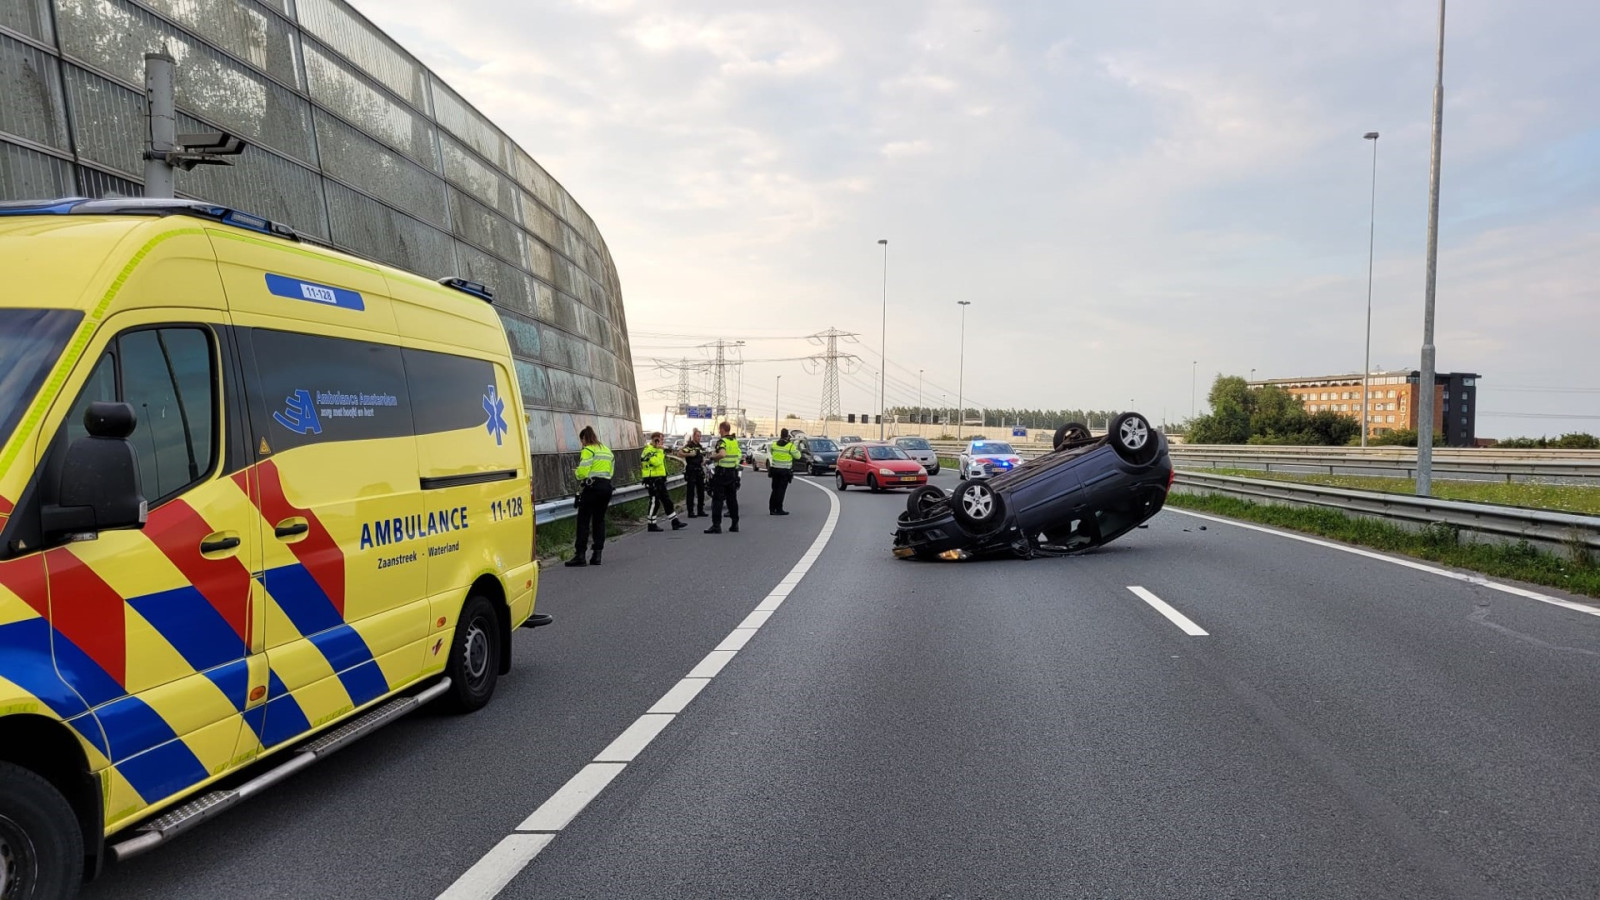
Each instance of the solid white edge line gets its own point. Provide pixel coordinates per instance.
(1408, 563)
(489, 875)
(756, 619)
(712, 664)
(675, 700)
(631, 742)
(1165, 608)
(555, 813)
(495, 870)
(736, 639)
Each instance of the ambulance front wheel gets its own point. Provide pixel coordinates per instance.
(41, 845)
(474, 656)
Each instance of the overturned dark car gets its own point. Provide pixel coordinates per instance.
(1089, 491)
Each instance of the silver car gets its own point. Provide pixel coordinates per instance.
(919, 450)
(761, 456)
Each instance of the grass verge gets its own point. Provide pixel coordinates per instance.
(1573, 498)
(1520, 561)
(555, 539)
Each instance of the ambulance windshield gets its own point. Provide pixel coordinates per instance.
(30, 342)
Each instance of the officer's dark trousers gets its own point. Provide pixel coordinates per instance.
(780, 487)
(593, 502)
(694, 482)
(724, 489)
(660, 498)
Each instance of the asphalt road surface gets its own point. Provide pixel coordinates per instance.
(1265, 717)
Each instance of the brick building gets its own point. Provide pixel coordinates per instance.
(1394, 400)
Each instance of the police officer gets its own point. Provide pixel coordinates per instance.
(783, 453)
(653, 471)
(725, 480)
(694, 476)
(595, 467)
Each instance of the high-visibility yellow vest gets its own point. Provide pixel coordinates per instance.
(595, 461)
(733, 454)
(653, 463)
(783, 455)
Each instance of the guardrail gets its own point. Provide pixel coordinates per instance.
(565, 508)
(1475, 467)
(1552, 530)
(1576, 467)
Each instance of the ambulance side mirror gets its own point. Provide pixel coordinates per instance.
(99, 486)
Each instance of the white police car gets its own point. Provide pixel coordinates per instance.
(984, 458)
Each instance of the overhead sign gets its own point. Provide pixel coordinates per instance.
(696, 412)
(1019, 432)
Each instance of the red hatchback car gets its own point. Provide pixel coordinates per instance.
(878, 467)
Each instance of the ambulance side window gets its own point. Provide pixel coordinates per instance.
(168, 376)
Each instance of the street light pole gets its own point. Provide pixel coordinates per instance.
(776, 393)
(1194, 383)
(919, 400)
(961, 376)
(1372, 227)
(883, 341)
(1425, 385)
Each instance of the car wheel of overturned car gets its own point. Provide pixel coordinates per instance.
(978, 506)
(924, 499)
(1071, 433)
(1133, 438)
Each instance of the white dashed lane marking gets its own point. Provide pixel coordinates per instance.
(1165, 608)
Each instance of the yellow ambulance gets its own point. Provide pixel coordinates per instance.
(250, 489)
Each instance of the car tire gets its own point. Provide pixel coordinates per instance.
(41, 843)
(923, 499)
(872, 484)
(1071, 433)
(474, 664)
(838, 481)
(978, 507)
(1134, 439)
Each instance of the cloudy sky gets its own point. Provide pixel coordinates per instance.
(1127, 193)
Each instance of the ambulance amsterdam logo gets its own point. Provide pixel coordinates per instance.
(299, 414)
(495, 407)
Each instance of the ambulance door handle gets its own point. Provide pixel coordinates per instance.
(218, 543)
(292, 528)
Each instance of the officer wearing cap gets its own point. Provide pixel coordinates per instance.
(595, 467)
(725, 458)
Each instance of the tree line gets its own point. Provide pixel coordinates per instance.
(1272, 415)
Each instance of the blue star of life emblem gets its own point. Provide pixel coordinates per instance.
(299, 414)
(495, 407)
